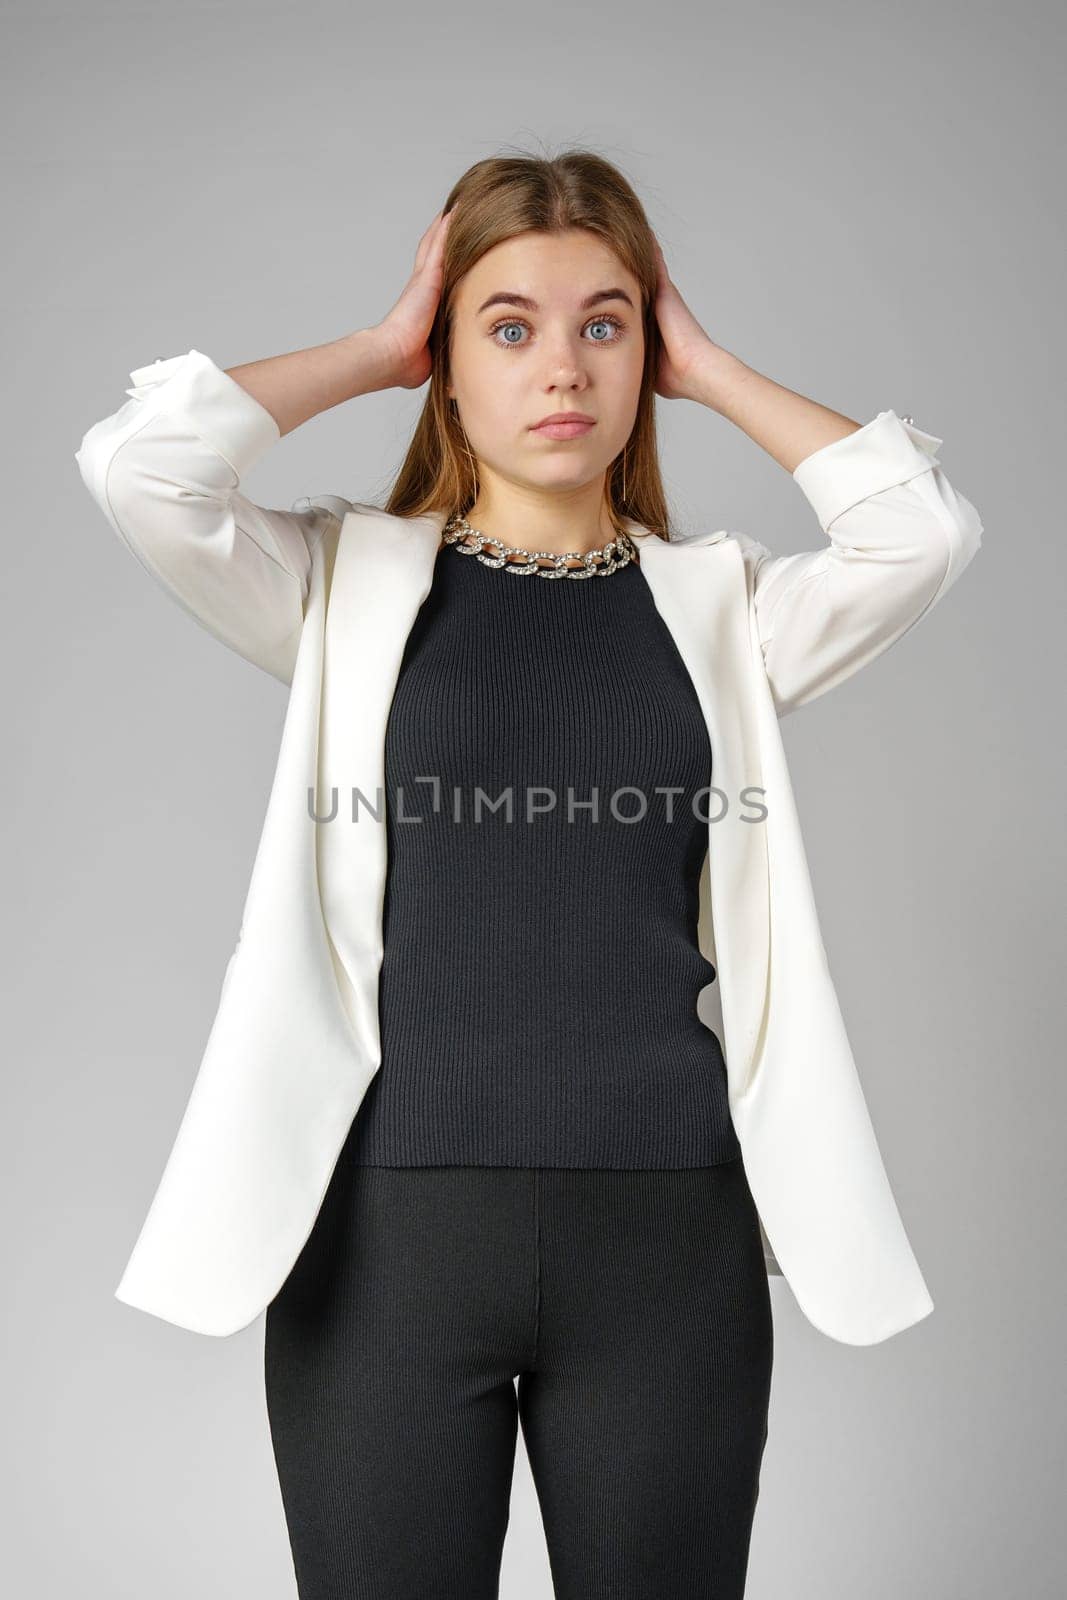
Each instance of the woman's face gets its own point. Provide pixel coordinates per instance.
(563, 332)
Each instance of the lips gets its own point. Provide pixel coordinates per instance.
(564, 430)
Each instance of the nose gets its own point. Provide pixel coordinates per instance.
(567, 371)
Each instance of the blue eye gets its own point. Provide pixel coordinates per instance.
(518, 322)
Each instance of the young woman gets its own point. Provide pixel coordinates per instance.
(459, 1128)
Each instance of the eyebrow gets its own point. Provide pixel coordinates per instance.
(507, 297)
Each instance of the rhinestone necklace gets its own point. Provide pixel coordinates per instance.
(611, 557)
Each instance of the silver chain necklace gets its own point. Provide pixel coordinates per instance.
(611, 557)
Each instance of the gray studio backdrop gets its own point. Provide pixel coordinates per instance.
(854, 199)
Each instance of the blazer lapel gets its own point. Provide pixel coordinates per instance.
(383, 569)
(699, 589)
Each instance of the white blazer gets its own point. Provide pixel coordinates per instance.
(323, 598)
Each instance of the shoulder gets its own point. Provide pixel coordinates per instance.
(751, 549)
(334, 505)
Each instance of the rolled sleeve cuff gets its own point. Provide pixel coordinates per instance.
(213, 404)
(884, 452)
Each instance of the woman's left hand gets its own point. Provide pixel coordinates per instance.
(686, 351)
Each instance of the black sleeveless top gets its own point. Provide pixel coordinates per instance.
(546, 769)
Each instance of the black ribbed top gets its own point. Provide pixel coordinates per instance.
(537, 995)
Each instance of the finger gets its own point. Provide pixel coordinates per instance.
(441, 232)
(433, 239)
(424, 242)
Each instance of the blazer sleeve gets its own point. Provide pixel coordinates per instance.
(899, 536)
(165, 469)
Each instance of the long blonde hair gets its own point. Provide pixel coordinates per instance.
(494, 200)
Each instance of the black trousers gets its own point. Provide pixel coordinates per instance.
(633, 1309)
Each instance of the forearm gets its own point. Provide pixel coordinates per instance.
(297, 386)
(787, 425)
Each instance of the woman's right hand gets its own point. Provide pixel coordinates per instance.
(404, 332)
